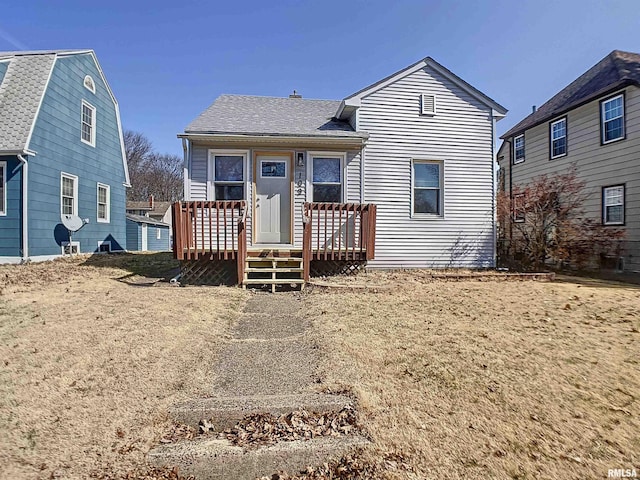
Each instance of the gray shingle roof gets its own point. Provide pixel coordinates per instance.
(21, 90)
(141, 219)
(159, 208)
(614, 71)
(251, 115)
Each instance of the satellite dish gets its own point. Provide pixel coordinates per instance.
(73, 223)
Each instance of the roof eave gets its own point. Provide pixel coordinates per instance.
(24, 151)
(600, 93)
(275, 138)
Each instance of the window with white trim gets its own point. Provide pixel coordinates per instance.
(518, 208)
(3, 188)
(88, 124)
(518, 149)
(613, 205)
(228, 176)
(327, 178)
(68, 194)
(89, 84)
(612, 118)
(427, 187)
(104, 203)
(104, 246)
(558, 132)
(158, 233)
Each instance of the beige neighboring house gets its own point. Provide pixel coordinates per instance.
(159, 211)
(594, 122)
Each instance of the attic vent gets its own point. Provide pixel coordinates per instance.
(89, 84)
(428, 104)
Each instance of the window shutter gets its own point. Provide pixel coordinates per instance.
(428, 103)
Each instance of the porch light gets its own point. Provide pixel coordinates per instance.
(300, 159)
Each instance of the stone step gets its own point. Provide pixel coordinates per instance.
(225, 412)
(209, 459)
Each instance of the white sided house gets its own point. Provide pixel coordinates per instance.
(397, 175)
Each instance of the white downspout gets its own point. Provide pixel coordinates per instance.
(25, 199)
(186, 193)
(493, 191)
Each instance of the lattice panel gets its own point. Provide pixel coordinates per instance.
(209, 272)
(327, 268)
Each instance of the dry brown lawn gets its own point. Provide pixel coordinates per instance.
(490, 379)
(92, 352)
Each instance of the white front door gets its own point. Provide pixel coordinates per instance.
(144, 238)
(273, 199)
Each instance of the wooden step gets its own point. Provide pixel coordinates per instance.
(272, 270)
(273, 281)
(274, 259)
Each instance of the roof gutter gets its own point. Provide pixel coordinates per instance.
(275, 139)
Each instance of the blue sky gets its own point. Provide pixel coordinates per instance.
(168, 60)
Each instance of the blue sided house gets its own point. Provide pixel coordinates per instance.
(146, 234)
(61, 153)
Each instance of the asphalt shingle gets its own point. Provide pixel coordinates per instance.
(615, 70)
(20, 93)
(251, 115)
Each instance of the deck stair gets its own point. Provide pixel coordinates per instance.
(272, 268)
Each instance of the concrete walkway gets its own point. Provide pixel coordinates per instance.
(268, 366)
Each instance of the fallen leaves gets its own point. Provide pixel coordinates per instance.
(350, 466)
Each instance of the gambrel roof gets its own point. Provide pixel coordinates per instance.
(22, 89)
(273, 116)
(615, 71)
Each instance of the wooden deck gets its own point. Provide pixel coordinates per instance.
(215, 231)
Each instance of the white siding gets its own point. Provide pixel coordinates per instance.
(198, 173)
(353, 177)
(460, 135)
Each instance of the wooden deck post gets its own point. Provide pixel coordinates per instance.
(242, 244)
(306, 241)
(178, 249)
(371, 240)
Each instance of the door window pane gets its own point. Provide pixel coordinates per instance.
(273, 169)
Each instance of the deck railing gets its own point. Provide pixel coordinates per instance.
(213, 229)
(338, 231)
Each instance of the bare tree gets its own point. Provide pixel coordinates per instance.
(544, 221)
(151, 173)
